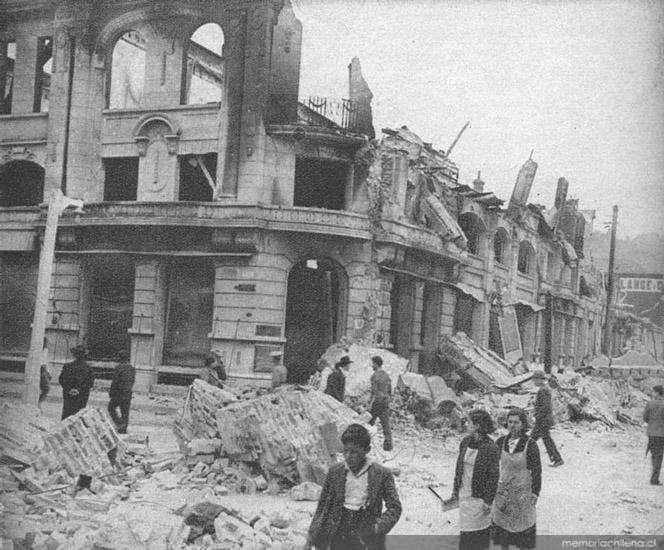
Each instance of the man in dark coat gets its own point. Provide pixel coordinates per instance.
(120, 391)
(350, 514)
(76, 380)
(544, 419)
(336, 382)
(381, 392)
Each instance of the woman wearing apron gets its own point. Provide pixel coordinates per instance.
(519, 485)
(475, 482)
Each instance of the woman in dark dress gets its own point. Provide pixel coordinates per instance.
(518, 486)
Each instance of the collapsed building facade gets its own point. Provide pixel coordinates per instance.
(222, 213)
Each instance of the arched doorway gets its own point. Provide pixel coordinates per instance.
(315, 314)
(21, 183)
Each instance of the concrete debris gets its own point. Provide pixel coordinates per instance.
(292, 434)
(635, 359)
(306, 491)
(21, 433)
(357, 379)
(476, 365)
(80, 444)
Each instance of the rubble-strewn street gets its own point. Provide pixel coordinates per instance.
(223, 481)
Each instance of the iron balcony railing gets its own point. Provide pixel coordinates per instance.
(342, 112)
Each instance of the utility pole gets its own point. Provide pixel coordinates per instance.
(608, 320)
(57, 205)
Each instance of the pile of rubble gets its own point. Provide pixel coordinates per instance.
(287, 436)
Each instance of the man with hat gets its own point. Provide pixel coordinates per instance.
(544, 418)
(121, 390)
(76, 380)
(336, 382)
(654, 417)
(279, 371)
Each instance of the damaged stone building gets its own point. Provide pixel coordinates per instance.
(224, 213)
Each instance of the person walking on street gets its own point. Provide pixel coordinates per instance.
(76, 380)
(653, 415)
(379, 404)
(476, 481)
(120, 391)
(544, 418)
(44, 376)
(519, 484)
(350, 514)
(336, 382)
(279, 371)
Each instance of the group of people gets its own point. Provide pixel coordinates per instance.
(77, 379)
(333, 383)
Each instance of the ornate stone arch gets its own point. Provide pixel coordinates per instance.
(153, 127)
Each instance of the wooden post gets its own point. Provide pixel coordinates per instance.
(610, 294)
(56, 206)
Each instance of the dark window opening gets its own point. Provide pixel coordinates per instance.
(320, 183)
(111, 306)
(127, 72)
(18, 289)
(121, 179)
(190, 312)
(526, 258)
(203, 67)
(402, 301)
(463, 315)
(472, 228)
(43, 73)
(584, 288)
(500, 247)
(194, 182)
(495, 338)
(21, 184)
(7, 65)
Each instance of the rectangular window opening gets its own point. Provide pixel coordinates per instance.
(44, 70)
(7, 64)
(195, 184)
(320, 183)
(121, 179)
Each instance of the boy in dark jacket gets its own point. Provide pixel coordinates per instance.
(76, 380)
(350, 514)
(121, 391)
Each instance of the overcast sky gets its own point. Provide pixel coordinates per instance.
(580, 82)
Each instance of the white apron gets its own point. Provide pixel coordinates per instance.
(513, 508)
(474, 515)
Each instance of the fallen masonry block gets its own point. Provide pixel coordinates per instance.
(306, 491)
(203, 446)
(226, 525)
(416, 384)
(442, 397)
(80, 444)
(473, 363)
(21, 433)
(282, 432)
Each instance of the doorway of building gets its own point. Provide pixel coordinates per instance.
(111, 306)
(315, 314)
(189, 313)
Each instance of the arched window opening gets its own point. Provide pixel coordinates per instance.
(472, 227)
(315, 313)
(127, 73)
(526, 263)
(500, 247)
(203, 69)
(21, 184)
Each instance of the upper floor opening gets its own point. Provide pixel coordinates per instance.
(21, 183)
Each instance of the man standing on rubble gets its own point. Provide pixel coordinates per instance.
(76, 380)
(120, 391)
(544, 419)
(654, 417)
(379, 404)
(336, 382)
(279, 371)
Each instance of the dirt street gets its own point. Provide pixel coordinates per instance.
(602, 488)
